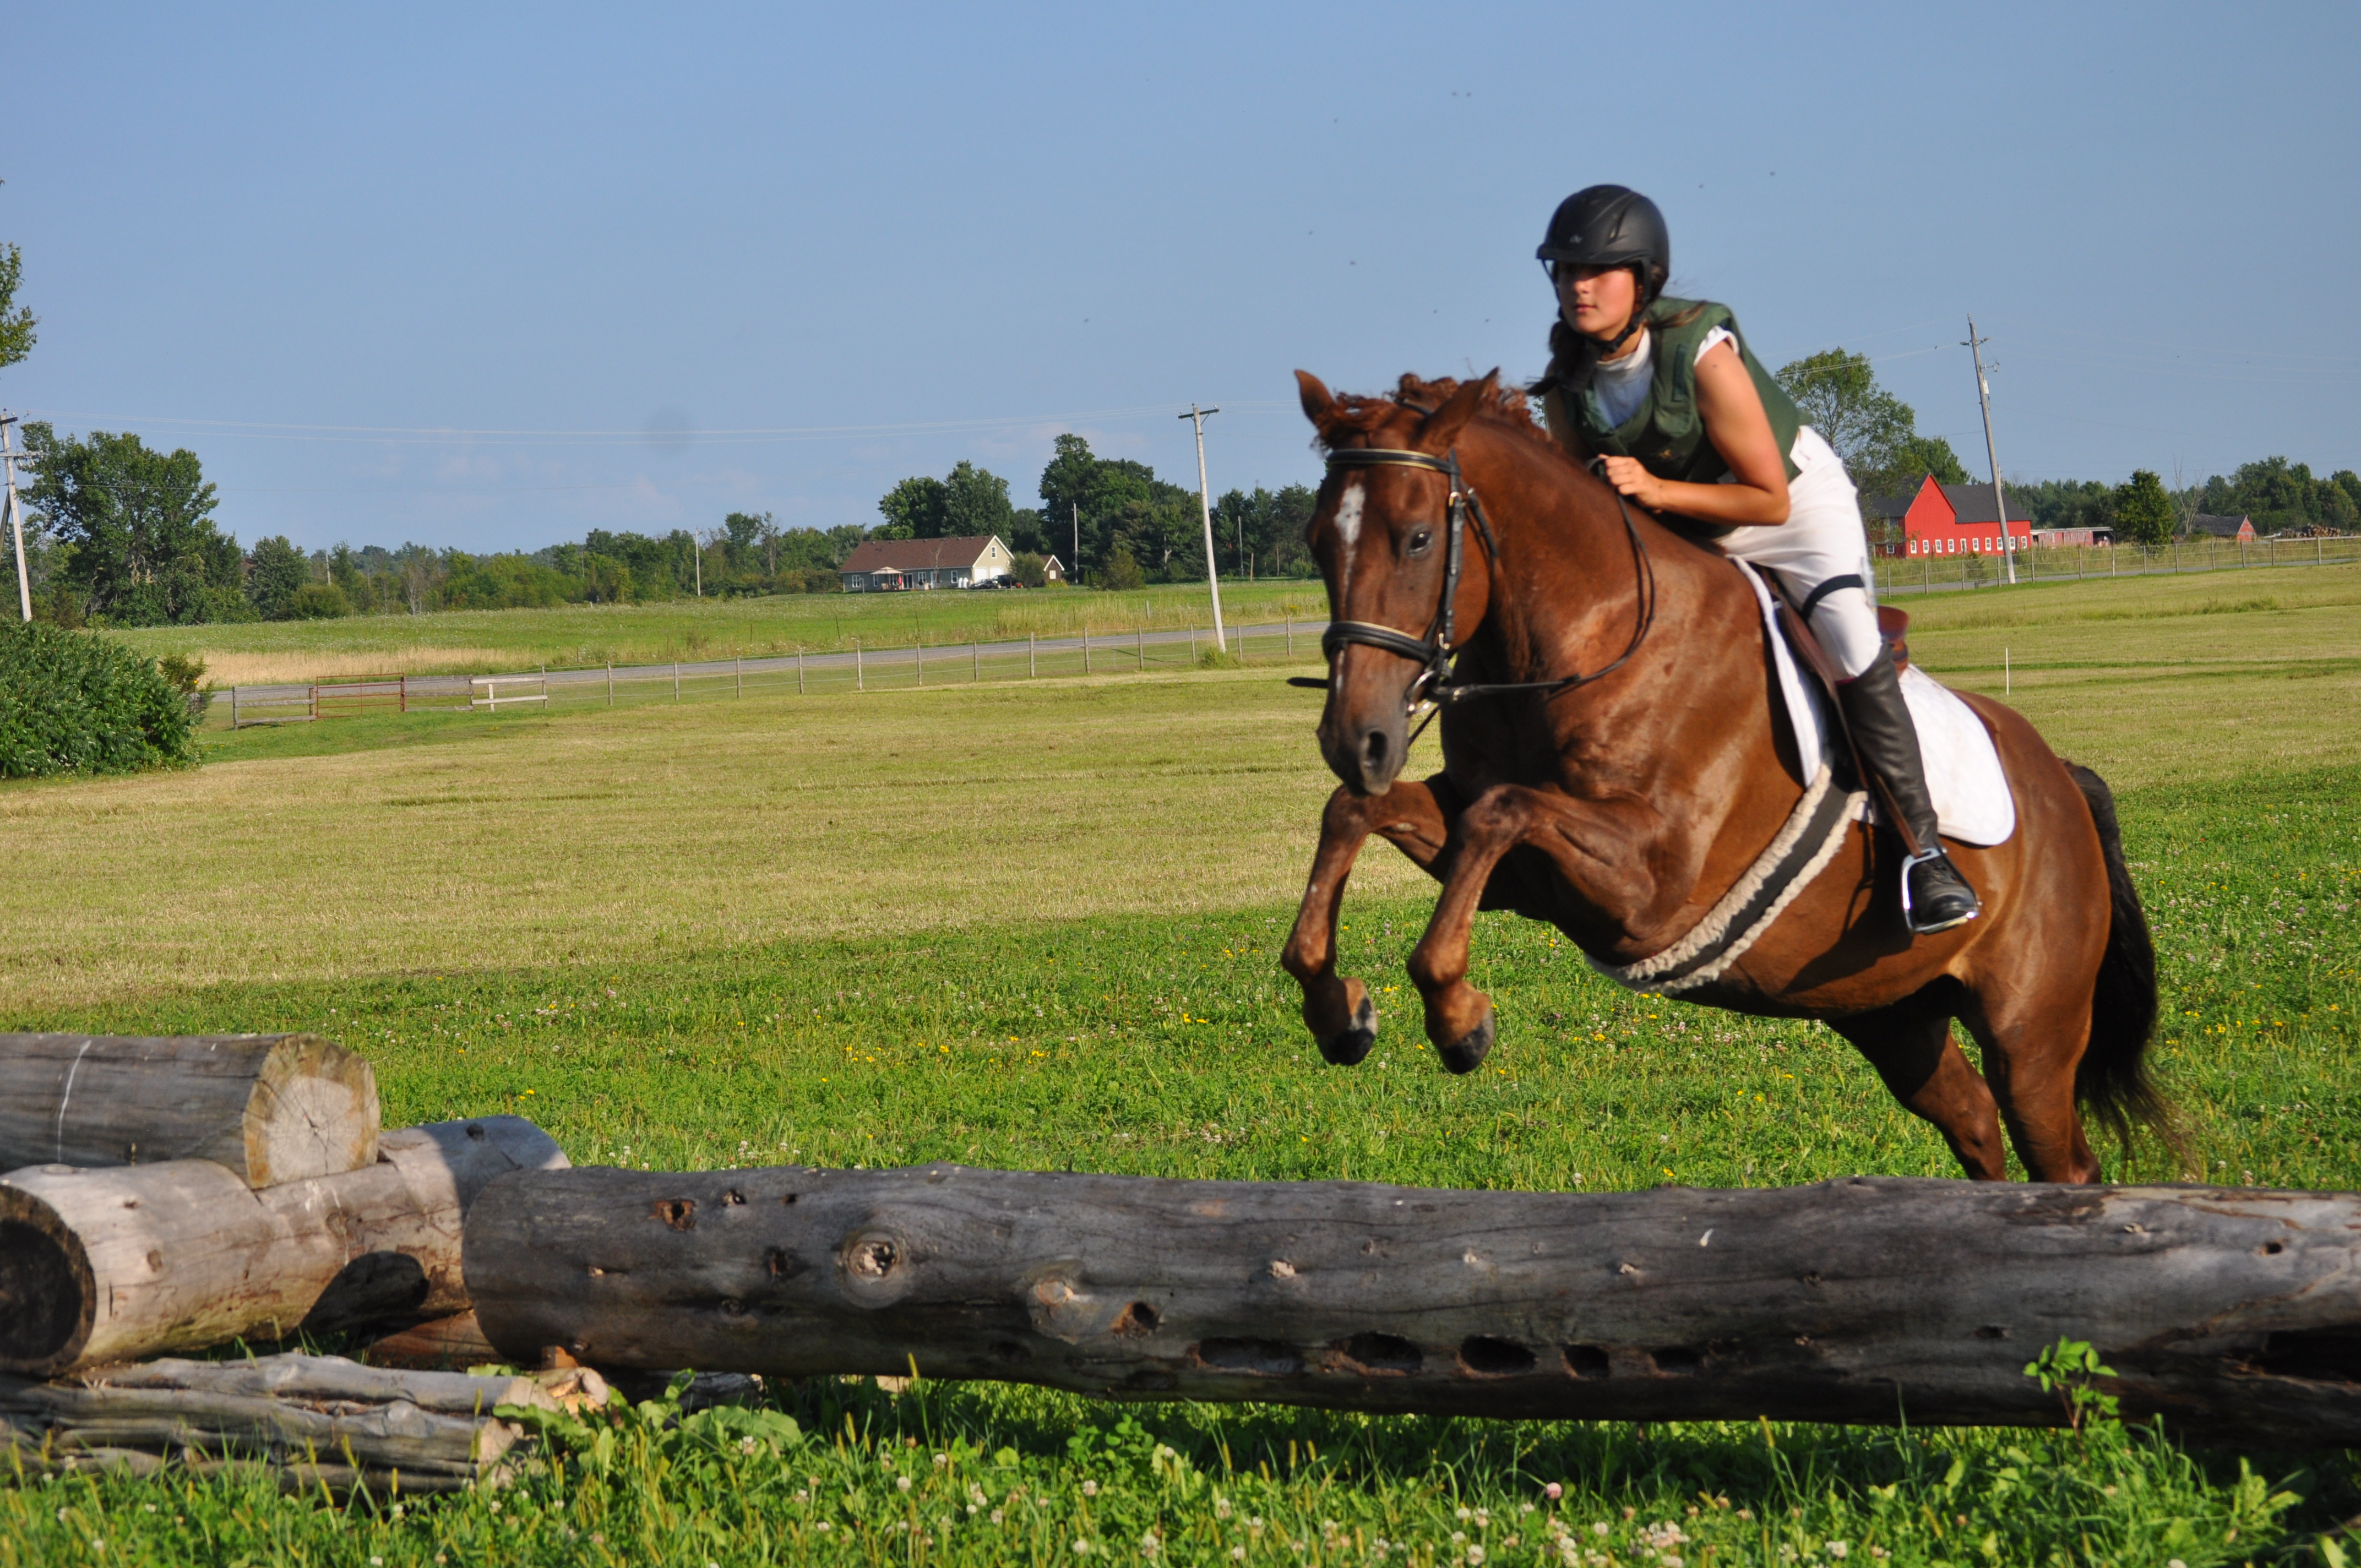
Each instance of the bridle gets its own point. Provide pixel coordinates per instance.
(1435, 652)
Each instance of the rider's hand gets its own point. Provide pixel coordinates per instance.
(1633, 481)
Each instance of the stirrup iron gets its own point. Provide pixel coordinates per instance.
(1909, 915)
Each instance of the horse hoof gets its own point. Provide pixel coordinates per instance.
(1466, 1053)
(1357, 1040)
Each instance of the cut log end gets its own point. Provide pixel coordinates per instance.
(46, 1296)
(314, 1112)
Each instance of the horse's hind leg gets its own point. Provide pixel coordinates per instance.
(1910, 1046)
(1337, 1009)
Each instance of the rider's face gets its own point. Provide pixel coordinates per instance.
(1597, 300)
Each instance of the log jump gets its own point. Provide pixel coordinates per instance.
(2229, 1313)
(100, 1265)
(269, 1108)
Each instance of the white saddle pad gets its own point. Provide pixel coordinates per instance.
(1971, 791)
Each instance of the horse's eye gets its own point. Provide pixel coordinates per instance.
(1420, 541)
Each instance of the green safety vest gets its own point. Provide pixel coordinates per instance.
(1668, 435)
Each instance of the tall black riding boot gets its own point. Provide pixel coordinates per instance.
(1935, 896)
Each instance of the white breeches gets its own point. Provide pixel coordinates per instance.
(1822, 538)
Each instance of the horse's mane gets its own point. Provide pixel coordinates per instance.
(1507, 410)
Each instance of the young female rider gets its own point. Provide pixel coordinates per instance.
(1685, 421)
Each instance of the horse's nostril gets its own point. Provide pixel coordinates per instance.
(1373, 750)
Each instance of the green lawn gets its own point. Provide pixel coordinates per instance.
(1032, 925)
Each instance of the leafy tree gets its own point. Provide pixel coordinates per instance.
(1122, 571)
(913, 509)
(1875, 432)
(976, 501)
(17, 322)
(1120, 505)
(1262, 533)
(1029, 568)
(2281, 495)
(137, 525)
(274, 572)
(2065, 503)
(2144, 512)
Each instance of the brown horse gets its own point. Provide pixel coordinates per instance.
(1636, 766)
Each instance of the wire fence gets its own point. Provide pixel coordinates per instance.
(907, 667)
(2071, 563)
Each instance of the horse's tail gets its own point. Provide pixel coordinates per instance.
(2113, 1080)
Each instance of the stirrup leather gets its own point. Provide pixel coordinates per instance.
(1909, 915)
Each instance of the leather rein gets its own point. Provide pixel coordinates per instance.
(1435, 652)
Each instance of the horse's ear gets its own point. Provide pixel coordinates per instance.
(1442, 427)
(1319, 404)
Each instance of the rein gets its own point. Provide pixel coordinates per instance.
(1436, 650)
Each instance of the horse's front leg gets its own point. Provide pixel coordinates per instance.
(1589, 846)
(1337, 1009)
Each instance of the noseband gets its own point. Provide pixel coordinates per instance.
(1434, 651)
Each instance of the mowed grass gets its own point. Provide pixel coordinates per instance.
(1034, 927)
(586, 636)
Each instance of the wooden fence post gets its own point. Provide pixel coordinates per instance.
(918, 656)
(799, 671)
(1032, 666)
(233, 708)
(975, 658)
(676, 680)
(739, 668)
(611, 683)
(1086, 649)
(1142, 633)
(859, 681)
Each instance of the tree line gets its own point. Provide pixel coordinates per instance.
(123, 534)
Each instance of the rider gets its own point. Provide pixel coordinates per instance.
(1665, 394)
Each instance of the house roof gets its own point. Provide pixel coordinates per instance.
(1891, 506)
(1973, 504)
(2226, 527)
(916, 555)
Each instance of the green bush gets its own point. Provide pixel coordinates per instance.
(74, 703)
(319, 601)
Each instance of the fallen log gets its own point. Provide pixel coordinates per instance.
(2226, 1311)
(111, 1265)
(270, 1108)
(313, 1419)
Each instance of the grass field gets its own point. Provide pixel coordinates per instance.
(1032, 925)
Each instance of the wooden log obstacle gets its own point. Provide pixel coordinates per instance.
(2228, 1312)
(100, 1265)
(313, 1420)
(267, 1108)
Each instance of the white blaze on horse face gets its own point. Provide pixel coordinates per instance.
(1348, 512)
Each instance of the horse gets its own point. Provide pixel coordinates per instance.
(1615, 760)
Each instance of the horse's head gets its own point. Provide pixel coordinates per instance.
(1382, 534)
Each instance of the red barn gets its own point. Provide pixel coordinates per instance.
(1951, 519)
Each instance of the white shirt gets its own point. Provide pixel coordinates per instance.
(1622, 384)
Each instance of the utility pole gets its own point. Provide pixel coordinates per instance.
(1074, 571)
(16, 517)
(1206, 505)
(1975, 347)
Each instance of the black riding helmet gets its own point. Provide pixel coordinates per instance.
(1611, 225)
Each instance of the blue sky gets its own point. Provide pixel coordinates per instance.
(489, 277)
